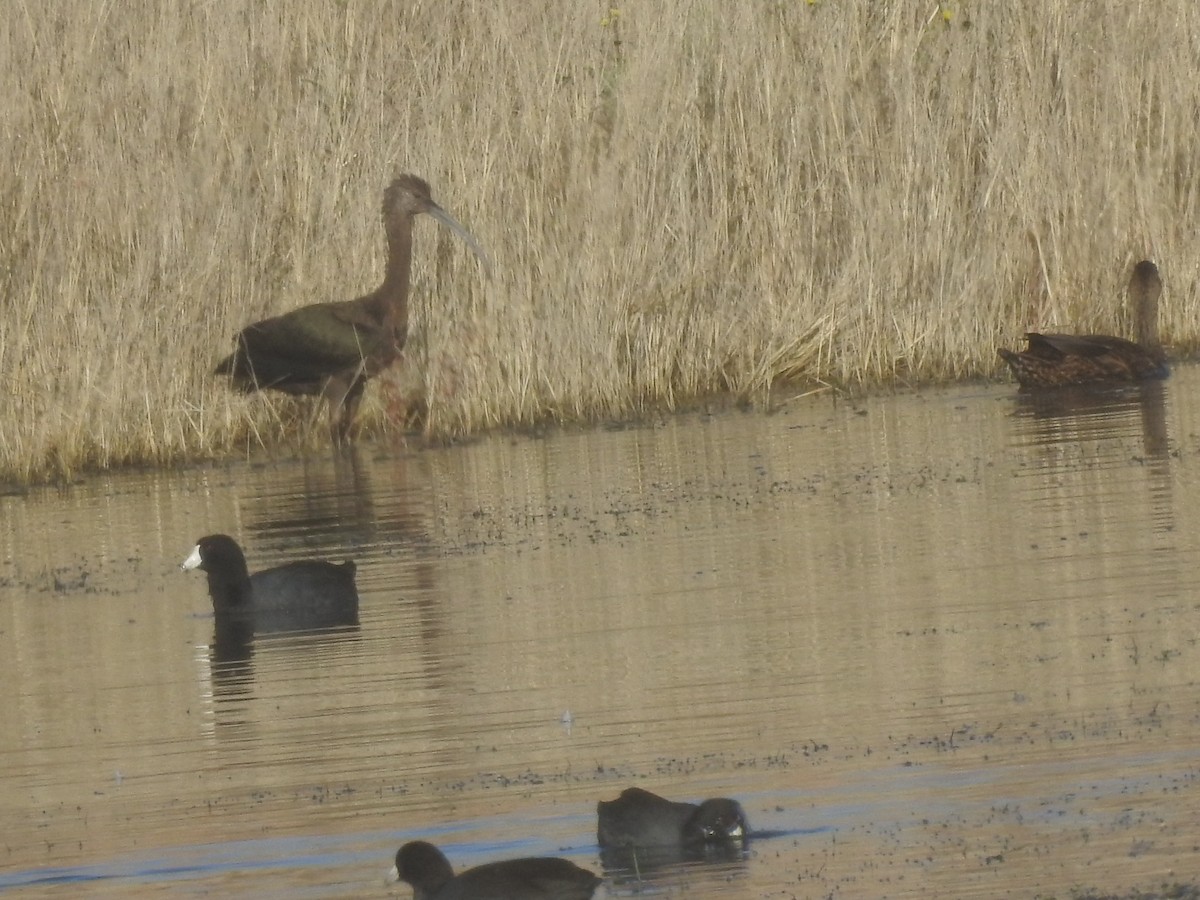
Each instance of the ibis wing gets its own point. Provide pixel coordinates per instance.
(300, 350)
(318, 334)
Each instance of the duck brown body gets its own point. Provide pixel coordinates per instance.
(1057, 360)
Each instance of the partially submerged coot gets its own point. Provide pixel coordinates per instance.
(664, 831)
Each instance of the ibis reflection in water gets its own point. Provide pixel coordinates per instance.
(1055, 360)
(331, 349)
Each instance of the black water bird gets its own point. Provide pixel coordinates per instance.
(331, 349)
(426, 869)
(303, 595)
(1057, 360)
(640, 820)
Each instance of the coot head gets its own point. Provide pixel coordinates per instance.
(715, 820)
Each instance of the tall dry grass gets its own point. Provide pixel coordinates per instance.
(679, 197)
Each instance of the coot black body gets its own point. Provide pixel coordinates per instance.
(426, 869)
(298, 596)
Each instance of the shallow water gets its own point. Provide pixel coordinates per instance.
(937, 643)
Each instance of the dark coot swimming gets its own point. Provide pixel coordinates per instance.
(297, 596)
(426, 868)
(669, 831)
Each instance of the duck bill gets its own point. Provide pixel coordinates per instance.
(452, 223)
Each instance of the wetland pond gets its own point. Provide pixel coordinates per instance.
(938, 643)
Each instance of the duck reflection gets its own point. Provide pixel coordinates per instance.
(1086, 410)
(1153, 408)
(1110, 417)
(1069, 413)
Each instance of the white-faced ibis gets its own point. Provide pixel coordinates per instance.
(332, 348)
(1056, 360)
(424, 866)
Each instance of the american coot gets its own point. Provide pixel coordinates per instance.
(641, 820)
(1055, 360)
(426, 868)
(297, 596)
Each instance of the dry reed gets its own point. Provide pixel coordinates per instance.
(679, 198)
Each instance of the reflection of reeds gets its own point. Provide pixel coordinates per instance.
(676, 203)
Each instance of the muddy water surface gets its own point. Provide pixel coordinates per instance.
(938, 644)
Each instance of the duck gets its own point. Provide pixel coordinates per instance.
(641, 819)
(297, 596)
(1057, 360)
(425, 868)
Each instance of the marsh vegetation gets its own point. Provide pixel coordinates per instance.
(678, 201)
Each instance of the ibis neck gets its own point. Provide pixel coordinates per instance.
(393, 294)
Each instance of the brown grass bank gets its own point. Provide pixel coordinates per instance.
(678, 199)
